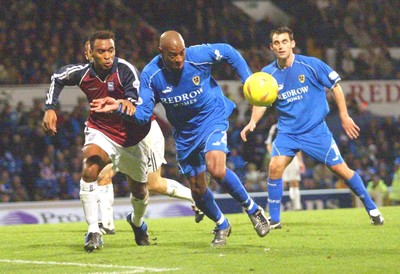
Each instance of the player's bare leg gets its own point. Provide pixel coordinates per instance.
(172, 188)
(163, 186)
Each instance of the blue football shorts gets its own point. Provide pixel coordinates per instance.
(317, 143)
(195, 163)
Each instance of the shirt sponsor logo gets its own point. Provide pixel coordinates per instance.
(110, 86)
(293, 94)
(184, 99)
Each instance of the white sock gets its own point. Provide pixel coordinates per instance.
(139, 209)
(106, 202)
(294, 194)
(297, 204)
(177, 190)
(89, 197)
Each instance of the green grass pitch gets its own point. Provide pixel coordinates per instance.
(321, 241)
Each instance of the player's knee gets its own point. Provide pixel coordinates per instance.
(198, 191)
(155, 183)
(88, 175)
(138, 190)
(218, 173)
(91, 168)
(342, 171)
(275, 171)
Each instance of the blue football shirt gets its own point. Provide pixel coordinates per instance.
(301, 101)
(192, 99)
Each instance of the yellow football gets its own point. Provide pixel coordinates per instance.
(261, 89)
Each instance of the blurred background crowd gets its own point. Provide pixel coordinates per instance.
(40, 36)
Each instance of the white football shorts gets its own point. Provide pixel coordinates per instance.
(135, 161)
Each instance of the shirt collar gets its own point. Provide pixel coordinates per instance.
(279, 67)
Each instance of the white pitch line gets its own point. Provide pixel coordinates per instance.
(137, 269)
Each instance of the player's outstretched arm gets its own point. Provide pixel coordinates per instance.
(348, 124)
(49, 122)
(256, 115)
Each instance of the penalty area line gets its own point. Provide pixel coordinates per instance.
(137, 269)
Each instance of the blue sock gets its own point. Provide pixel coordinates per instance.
(210, 208)
(357, 186)
(236, 189)
(275, 193)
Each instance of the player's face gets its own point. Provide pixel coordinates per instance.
(174, 57)
(103, 54)
(282, 46)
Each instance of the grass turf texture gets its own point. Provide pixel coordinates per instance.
(323, 241)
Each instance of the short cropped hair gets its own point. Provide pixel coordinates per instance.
(100, 34)
(281, 30)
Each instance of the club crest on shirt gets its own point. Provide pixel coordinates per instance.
(196, 80)
(302, 78)
(110, 86)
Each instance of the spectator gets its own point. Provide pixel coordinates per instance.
(254, 179)
(323, 177)
(5, 182)
(394, 195)
(377, 188)
(46, 183)
(19, 193)
(30, 173)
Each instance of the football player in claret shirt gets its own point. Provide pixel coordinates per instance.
(108, 137)
(180, 78)
(302, 107)
(156, 185)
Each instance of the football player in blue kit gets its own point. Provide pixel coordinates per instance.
(180, 78)
(302, 107)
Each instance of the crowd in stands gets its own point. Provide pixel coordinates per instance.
(41, 36)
